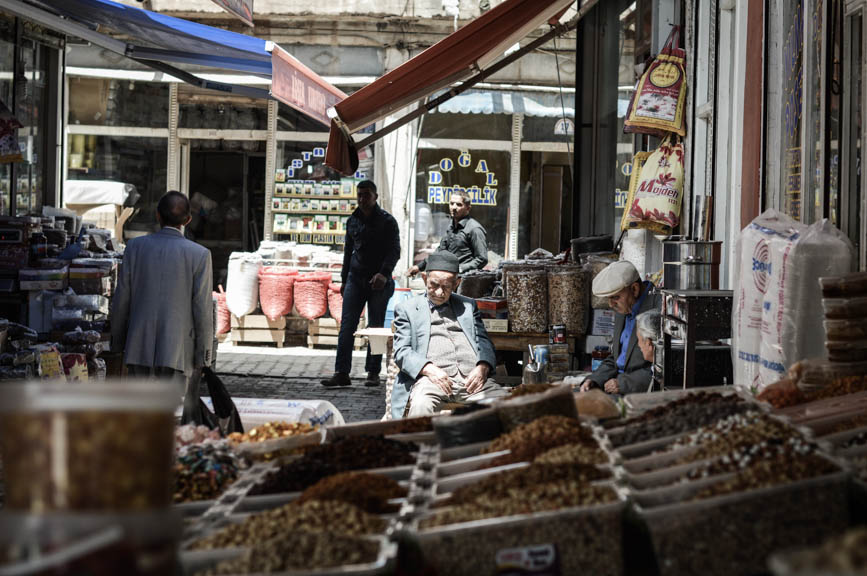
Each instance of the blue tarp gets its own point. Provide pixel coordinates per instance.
(155, 36)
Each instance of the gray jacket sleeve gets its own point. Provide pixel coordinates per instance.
(120, 304)
(605, 372)
(635, 381)
(407, 359)
(203, 312)
(487, 354)
(479, 243)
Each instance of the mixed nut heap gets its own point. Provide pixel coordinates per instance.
(342, 455)
(531, 440)
(694, 411)
(331, 516)
(271, 431)
(204, 471)
(301, 550)
(369, 492)
(749, 430)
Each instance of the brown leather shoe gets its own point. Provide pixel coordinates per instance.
(338, 379)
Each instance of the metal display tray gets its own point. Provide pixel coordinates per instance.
(743, 528)
(195, 562)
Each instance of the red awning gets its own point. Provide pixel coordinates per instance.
(457, 57)
(298, 86)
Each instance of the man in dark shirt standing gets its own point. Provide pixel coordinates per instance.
(466, 238)
(371, 251)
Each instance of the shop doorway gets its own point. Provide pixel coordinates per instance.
(227, 194)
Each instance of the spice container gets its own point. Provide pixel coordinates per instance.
(88, 447)
(528, 301)
(567, 298)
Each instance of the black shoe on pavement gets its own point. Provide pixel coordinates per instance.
(372, 379)
(338, 379)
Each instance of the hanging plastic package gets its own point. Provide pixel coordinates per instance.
(658, 103)
(242, 285)
(656, 201)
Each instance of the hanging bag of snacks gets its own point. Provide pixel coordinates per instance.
(658, 103)
(658, 193)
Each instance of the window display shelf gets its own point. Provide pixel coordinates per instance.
(313, 212)
(315, 196)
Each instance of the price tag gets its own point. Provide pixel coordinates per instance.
(540, 560)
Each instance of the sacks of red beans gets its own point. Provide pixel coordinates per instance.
(335, 301)
(224, 321)
(276, 290)
(311, 300)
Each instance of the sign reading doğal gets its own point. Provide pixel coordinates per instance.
(243, 9)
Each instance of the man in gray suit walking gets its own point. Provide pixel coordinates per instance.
(440, 345)
(162, 312)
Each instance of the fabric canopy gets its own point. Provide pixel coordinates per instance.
(458, 57)
(161, 41)
(509, 103)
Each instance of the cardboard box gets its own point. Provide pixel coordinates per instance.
(603, 323)
(496, 308)
(496, 324)
(43, 279)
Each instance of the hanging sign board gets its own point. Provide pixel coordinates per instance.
(243, 9)
(564, 127)
(298, 86)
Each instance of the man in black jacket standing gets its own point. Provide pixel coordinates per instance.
(371, 251)
(466, 238)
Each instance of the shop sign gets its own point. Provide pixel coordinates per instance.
(564, 127)
(243, 9)
(483, 195)
(540, 560)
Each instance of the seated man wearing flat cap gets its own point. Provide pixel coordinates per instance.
(624, 371)
(440, 345)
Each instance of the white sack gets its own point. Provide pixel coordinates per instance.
(242, 285)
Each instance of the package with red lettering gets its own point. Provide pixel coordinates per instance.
(656, 194)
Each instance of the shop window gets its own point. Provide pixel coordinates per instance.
(468, 126)
(551, 128)
(290, 120)
(31, 94)
(137, 161)
(220, 113)
(7, 67)
(485, 173)
(118, 102)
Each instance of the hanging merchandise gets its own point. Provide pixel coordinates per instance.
(656, 197)
(10, 150)
(658, 103)
(637, 165)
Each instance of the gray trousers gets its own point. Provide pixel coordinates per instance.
(425, 398)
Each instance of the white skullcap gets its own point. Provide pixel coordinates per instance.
(614, 278)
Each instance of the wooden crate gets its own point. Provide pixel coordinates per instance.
(259, 336)
(331, 341)
(258, 321)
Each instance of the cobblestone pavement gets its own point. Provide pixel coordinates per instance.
(294, 373)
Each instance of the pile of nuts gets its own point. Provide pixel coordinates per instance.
(369, 492)
(272, 431)
(512, 484)
(331, 516)
(782, 394)
(527, 389)
(538, 498)
(573, 454)
(681, 418)
(204, 471)
(748, 430)
(343, 455)
(119, 461)
(745, 456)
(301, 550)
(781, 469)
(531, 440)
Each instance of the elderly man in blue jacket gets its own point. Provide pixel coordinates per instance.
(440, 345)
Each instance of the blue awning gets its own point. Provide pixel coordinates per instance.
(162, 42)
(155, 36)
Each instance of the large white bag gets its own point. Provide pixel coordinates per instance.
(777, 312)
(242, 285)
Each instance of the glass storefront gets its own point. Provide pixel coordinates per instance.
(116, 102)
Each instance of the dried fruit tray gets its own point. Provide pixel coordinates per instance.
(195, 562)
(637, 404)
(742, 528)
(280, 445)
(588, 540)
